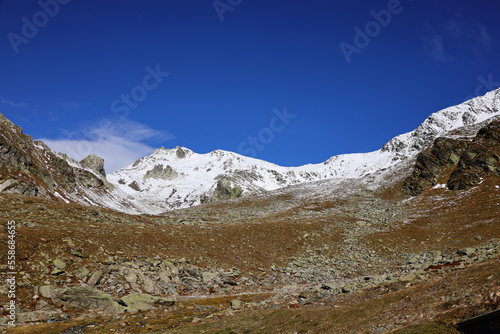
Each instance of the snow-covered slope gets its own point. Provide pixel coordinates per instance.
(177, 178)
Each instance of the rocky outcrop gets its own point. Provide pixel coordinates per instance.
(31, 168)
(95, 164)
(160, 172)
(459, 163)
(24, 165)
(225, 190)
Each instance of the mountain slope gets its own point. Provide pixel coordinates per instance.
(180, 178)
(31, 168)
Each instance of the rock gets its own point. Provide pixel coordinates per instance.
(82, 273)
(85, 297)
(208, 276)
(36, 316)
(42, 305)
(349, 287)
(160, 172)
(131, 277)
(76, 252)
(56, 271)
(59, 264)
(224, 190)
(236, 304)
(95, 278)
(143, 302)
(180, 153)
(95, 164)
(460, 163)
(134, 185)
(467, 251)
(47, 291)
(409, 277)
(149, 286)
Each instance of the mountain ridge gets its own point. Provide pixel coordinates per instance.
(170, 179)
(252, 175)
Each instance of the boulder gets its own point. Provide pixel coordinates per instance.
(135, 302)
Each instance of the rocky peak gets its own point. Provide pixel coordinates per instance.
(460, 163)
(95, 164)
(468, 113)
(180, 152)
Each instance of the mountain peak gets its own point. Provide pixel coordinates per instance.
(179, 151)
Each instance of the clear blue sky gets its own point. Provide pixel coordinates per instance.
(68, 80)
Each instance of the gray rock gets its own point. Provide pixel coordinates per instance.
(87, 298)
(95, 164)
(59, 264)
(236, 304)
(208, 276)
(143, 302)
(36, 316)
(95, 278)
(47, 291)
(82, 273)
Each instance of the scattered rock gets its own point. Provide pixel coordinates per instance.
(95, 278)
(236, 304)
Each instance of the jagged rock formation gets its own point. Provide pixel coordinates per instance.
(31, 168)
(458, 163)
(95, 164)
(160, 172)
(23, 165)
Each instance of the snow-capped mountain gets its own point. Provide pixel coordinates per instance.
(177, 178)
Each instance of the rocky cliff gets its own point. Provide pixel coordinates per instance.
(31, 168)
(458, 163)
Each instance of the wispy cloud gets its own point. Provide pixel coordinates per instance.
(13, 104)
(434, 47)
(455, 37)
(119, 142)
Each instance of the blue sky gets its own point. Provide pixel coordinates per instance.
(291, 82)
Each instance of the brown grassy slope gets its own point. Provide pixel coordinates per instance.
(431, 306)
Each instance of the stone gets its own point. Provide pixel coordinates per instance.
(143, 302)
(95, 164)
(59, 264)
(208, 276)
(467, 251)
(82, 273)
(160, 172)
(47, 291)
(36, 316)
(42, 305)
(409, 277)
(236, 304)
(56, 271)
(95, 278)
(88, 298)
(76, 252)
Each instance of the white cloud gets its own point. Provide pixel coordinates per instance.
(13, 104)
(119, 142)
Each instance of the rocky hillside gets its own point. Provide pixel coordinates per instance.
(316, 257)
(320, 256)
(457, 163)
(31, 168)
